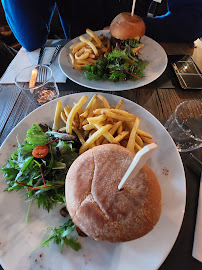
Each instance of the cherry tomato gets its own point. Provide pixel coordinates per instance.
(40, 151)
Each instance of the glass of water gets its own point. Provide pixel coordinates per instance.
(38, 83)
(185, 126)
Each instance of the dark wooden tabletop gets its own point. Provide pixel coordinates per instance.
(160, 98)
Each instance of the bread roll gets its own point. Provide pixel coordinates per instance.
(96, 205)
(124, 26)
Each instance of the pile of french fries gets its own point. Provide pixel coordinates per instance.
(88, 50)
(101, 123)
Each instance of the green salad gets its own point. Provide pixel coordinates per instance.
(121, 64)
(39, 166)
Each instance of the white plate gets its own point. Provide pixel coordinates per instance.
(147, 253)
(151, 52)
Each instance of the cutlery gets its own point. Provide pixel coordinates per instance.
(57, 49)
(35, 71)
(41, 55)
(43, 70)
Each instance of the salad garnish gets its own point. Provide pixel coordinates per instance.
(39, 166)
(118, 65)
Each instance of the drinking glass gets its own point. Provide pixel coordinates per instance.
(43, 90)
(185, 126)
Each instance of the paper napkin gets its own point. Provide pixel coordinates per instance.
(24, 59)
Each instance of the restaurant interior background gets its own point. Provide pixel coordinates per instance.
(9, 46)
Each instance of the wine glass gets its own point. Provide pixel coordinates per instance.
(185, 126)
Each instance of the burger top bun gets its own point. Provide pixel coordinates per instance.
(96, 205)
(124, 26)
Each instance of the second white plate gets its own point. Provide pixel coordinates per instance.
(151, 52)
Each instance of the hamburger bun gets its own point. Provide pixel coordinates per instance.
(96, 205)
(124, 26)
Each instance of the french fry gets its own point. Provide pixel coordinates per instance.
(137, 147)
(90, 135)
(67, 110)
(57, 115)
(63, 117)
(113, 130)
(138, 140)
(80, 111)
(115, 127)
(72, 58)
(94, 137)
(80, 52)
(87, 41)
(104, 100)
(72, 113)
(119, 104)
(107, 135)
(91, 101)
(78, 47)
(85, 122)
(120, 129)
(100, 140)
(121, 136)
(116, 116)
(96, 38)
(75, 44)
(146, 140)
(131, 141)
(111, 120)
(117, 111)
(87, 50)
(76, 121)
(139, 131)
(96, 119)
(92, 108)
(83, 56)
(84, 114)
(101, 123)
(88, 127)
(144, 134)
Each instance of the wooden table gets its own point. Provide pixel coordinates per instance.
(161, 102)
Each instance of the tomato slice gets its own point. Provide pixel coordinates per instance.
(40, 151)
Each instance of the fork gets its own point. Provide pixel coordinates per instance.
(43, 69)
(34, 75)
(41, 55)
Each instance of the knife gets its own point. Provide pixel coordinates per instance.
(57, 49)
(35, 70)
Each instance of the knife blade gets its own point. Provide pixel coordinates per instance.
(33, 77)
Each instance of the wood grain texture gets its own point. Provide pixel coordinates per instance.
(14, 104)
